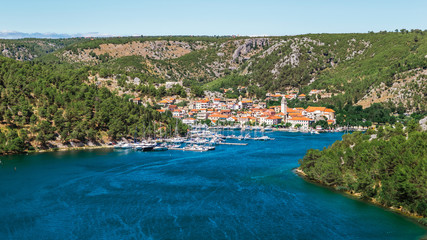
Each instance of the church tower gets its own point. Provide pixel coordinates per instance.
(284, 106)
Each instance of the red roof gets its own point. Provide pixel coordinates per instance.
(301, 119)
(274, 117)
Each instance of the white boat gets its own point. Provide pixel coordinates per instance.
(160, 148)
(126, 146)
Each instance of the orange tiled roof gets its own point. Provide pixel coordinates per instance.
(274, 117)
(312, 109)
(218, 115)
(301, 119)
(291, 110)
(329, 110)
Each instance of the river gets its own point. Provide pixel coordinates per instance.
(234, 192)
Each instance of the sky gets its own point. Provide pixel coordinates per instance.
(203, 17)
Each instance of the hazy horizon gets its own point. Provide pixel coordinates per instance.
(209, 18)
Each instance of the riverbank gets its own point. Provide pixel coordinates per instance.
(355, 195)
(86, 147)
(62, 149)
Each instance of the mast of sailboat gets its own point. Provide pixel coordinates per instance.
(176, 128)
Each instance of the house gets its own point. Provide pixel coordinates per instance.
(281, 115)
(263, 118)
(244, 120)
(217, 117)
(303, 121)
(231, 119)
(190, 121)
(204, 103)
(216, 101)
(226, 112)
(136, 100)
(314, 92)
(166, 102)
(177, 113)
(246, 104)
(273, 120)
(275, 97)
(301, 97)
(262, 105)
(172, 107)
(329, 113)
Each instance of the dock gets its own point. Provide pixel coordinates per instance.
(236, 144)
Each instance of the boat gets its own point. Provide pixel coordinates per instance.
(195, 148)
(160, 148)
(173, 146)
(126, 146)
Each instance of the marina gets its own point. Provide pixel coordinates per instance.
(200, 138)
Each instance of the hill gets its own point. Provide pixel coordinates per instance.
(350, 68)
(51, 105)
(31, 48)
(387, 166)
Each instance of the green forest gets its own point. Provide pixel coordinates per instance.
(345, 65)
(388, 165)
(43, 103)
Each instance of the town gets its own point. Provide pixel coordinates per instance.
(242, 112)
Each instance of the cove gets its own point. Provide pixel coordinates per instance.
(234, 192)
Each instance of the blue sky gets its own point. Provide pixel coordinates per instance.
(202, 17)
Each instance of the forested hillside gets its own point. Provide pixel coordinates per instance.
(44, 105)
(388, 165)
(353, 68)
(31, 48)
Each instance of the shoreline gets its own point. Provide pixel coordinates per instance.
(357, 196)
(61, 149)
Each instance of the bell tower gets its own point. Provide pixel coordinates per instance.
(284, 106)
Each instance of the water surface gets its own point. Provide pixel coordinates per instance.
(234, 192)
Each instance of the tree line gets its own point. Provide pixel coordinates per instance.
(41, 103)
(388, 164)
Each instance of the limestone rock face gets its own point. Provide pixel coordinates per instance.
(248, 46)
(423, 124)
(136, 81)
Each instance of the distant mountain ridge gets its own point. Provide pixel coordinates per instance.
(19, 35)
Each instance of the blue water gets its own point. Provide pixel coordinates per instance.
(234, 192)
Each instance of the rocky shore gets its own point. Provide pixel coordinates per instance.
(419, 219)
